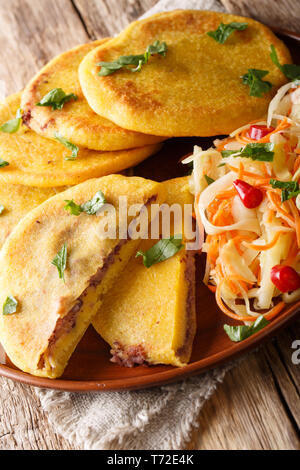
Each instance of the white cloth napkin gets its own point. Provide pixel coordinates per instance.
(153, 419)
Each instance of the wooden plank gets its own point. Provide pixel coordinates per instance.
(245, 412)
(108, 17)
(23, 424)
(284, 14)
(31, 33)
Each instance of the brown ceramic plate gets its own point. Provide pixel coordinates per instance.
(90, 368)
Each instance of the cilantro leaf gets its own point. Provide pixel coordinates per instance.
(254, 80)
(240, 333)
(68, 145)
(90, 207)
(74, 208)
(95, 204)
(209, 180)
(291, 71)
(107, 68)
(164, 249)
(3, 163)
(1, 208)
(12, 126)
(10, 306)
(223, 31)
(260, 152)
(60, 262)
(56, 98)
(289, 189)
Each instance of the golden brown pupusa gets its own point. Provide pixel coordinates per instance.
(196, 89)
(18, 200)
(53, 315)
(149, 314)
(37, 161)
(76, 121)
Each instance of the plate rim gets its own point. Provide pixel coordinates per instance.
(161, 378)
(173, 374)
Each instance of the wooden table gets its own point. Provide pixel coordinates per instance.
(257, 406)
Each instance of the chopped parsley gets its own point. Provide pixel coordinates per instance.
(72, 207)
(289, 189)
(260, 152)
(10, 305)
(223, 31)
(240, 333)
(253, 78)
(164, 249)
(1, 208)
(74, 149)
(291, 71)
(209, 180)
(90, 207)
(60, 262)
(12, 126)
(56, 98)
(3, 163)
(107, 68)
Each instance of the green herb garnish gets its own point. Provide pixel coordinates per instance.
(56, 98)
(240, 333)
(12, 126)
(3, 163)
(68, 145)
(60, 261)
(164, 249)
(107, 68)
(260, 152)
(209, 180)
(10, 305)
(1, 208)
(225, 30)
(254, 80)
(289, 189)
(90, 207)
(291, 71)
(72, 207)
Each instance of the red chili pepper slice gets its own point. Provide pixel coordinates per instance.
(250, 196)
(257, 132)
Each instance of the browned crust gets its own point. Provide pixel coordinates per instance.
(190, 272)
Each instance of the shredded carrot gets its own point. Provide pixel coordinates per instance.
(226, 194)
(212, 288)
(268, 316)
(270, 216)
(246, 173)
(296, 216)
(224, 142)
(284, 124)
(279, 209)
(297, 162)
(275, 311)
(241, 171)
(272, 243)
(289, 261)
(228, 312)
